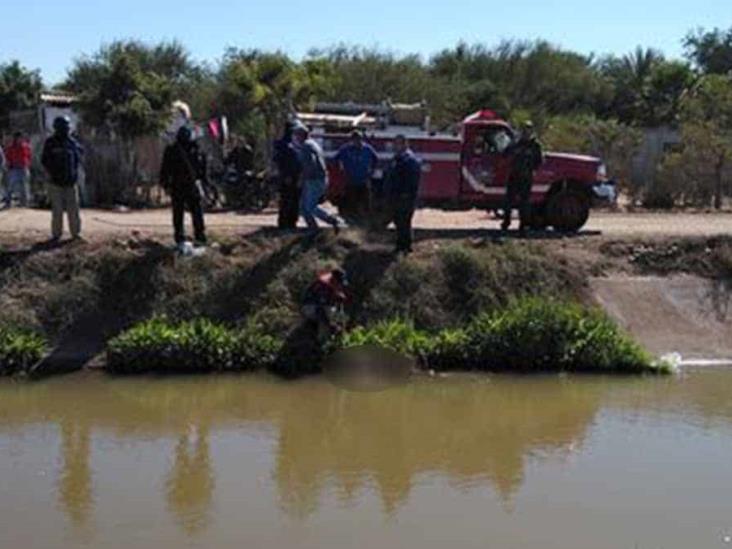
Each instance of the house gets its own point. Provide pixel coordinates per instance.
(655, 143)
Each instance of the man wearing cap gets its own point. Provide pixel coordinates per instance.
(181, 174)
(61, 157)
(313, 178)
(527, 156)
(358, 160)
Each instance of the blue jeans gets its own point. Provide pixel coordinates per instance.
(312, 191)
(17, 179)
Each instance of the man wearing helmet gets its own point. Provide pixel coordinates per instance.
(61, 158)
(181, 175)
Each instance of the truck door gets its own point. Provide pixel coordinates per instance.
(485, 167)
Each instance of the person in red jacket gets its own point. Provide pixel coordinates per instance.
(18, 156)
(324, 297)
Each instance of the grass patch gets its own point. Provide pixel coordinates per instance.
(449, 285)
(539, 335)
(197, 346)
(530, 335)
(19, 350)
(396, 335)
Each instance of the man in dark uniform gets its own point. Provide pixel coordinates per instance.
(402, 189)
(288, 174)
(527, 156)
(182, 175)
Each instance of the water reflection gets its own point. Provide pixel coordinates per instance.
(75, 477)
(473, 433)
(190, 482)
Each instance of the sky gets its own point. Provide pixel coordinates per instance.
(49, 34)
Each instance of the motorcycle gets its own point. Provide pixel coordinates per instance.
(249, 191)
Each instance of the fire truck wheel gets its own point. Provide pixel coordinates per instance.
(537, 218)
(568, 211)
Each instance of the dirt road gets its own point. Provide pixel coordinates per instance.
(21, 223)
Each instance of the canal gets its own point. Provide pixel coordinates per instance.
(490, 461)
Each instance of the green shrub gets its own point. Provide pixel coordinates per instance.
(189, 347)
(396, 335)
(535, 335)
(449, 350)
(19, 350)
(255, 348)
(529, 335)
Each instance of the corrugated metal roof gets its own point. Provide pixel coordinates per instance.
(58, 97)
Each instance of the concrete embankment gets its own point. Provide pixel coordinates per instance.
(683, 314)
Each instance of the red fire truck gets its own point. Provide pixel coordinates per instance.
(465, 169)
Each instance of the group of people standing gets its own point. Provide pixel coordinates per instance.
(301, 171)
(61, 158)
(303, 180)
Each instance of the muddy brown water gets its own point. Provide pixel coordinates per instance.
(503, 462)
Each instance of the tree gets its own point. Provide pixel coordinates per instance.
(707, 130)
(129, 87)
(613, 141)
(695, 174)
(369, 75)
(258, 90)
(711, 51)
(536, 77)
(647, 88)
(19, 90)
(667, 84)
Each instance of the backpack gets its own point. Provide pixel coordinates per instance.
(61, 157)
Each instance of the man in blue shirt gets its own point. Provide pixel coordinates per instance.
(358, 160)
(402, 190)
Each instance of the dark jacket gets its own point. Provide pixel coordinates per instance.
(326, 291)
(61, 157)
(403, 177)
(285, 158)
(182, 166)
(527, 156)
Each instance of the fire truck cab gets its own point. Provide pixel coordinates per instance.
(465, 169)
